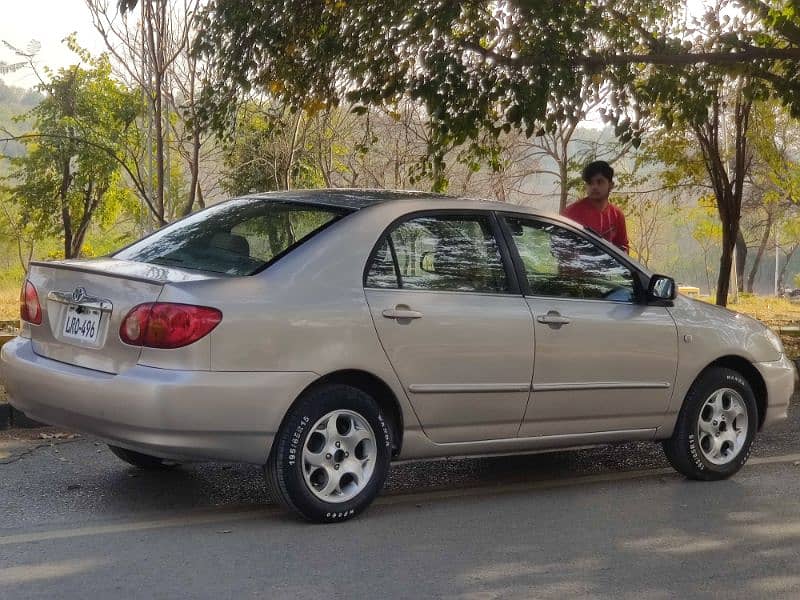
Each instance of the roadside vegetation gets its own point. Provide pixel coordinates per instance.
(695, 106)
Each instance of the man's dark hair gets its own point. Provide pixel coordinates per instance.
(598, 167)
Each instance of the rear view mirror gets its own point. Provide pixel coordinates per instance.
(661, 288)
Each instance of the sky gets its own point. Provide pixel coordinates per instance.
(49, 22)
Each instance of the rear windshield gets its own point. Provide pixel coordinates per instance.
(239, 237)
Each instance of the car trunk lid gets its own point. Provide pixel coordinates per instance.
(84, 302)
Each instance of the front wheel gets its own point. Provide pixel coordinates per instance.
(715, 427)
(331, 456)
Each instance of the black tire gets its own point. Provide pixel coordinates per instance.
(142, 461)
(682, 449)
(284, 468)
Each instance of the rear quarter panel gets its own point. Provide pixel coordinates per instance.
(307, 312)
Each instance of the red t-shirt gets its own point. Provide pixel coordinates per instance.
(608, 223)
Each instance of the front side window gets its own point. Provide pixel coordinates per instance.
(560, 263)
(239, 237)
(440, 253)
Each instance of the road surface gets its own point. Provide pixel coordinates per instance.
(594, 523)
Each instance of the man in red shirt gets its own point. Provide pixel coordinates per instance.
(595, 211)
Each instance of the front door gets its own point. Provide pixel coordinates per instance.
(604, 360)
(454, 326)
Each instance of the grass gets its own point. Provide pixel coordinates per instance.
(770, 310)
(9, 302)
(774, 313)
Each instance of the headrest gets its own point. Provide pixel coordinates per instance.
(456, 259)
(231, 243)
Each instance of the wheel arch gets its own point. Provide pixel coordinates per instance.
(371, 385)
(746, 369)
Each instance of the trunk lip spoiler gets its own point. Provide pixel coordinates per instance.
(88, 269)
(75, 299)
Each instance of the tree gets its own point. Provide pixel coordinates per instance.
(27, 55)
(269, 151)
(152, 53)
(789, 242)
(647, 215)
(775, 175)
(485, 66)
(70, 173)
(706, 231)
(475, 66)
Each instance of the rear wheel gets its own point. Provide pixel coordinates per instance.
(142, 461)
(715, 427)
(331, 455)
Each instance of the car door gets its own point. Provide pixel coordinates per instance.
(604, 359)
(453, 323)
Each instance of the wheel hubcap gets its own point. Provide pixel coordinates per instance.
(339, 456)
(722, 426)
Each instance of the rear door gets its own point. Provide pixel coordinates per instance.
(453, 324)
(605, 361)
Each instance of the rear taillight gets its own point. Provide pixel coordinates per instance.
(29, 308)
(167, 325)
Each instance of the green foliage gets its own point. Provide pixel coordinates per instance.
(268, 153)
(487, 67)
(476, 67)
(70, 174)
(706, 229)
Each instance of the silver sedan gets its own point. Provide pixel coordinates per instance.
(323, 334)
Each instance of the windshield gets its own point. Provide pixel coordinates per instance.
(239, 237)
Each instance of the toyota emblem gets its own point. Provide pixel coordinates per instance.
(79, 294)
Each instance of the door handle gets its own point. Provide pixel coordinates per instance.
(401, 313)
(553, 318)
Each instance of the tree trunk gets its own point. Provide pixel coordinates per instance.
(156, 51)
(784, 268)
(201, 202)
(708, 271)
(93, 197)
(287, 175)
(741, 259)
(762, 246)
(725, 265)
(564, 191)
(194, 169)
(66, 219)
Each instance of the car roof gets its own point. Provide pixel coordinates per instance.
(345, 197)
(361, 198)
(358, 199)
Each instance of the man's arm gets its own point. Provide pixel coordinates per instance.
(622, 233)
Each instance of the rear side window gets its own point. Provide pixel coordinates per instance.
(239, 237)
(440, 253)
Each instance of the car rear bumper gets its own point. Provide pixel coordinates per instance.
(780, 377)
(181, 415)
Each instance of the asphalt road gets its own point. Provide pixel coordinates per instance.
(606, 522)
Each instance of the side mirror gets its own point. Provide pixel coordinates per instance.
(661, 288)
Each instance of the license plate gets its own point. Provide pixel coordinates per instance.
(82, 324)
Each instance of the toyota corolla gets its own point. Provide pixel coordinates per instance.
(323, 334)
